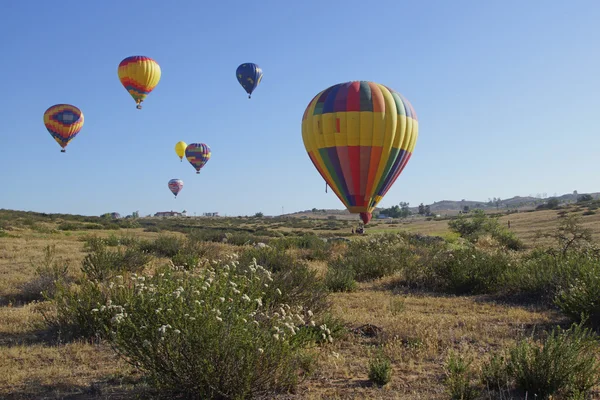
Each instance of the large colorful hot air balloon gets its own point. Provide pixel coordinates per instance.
(64, 122)
(249, 76)
(180, 149)
(359, 135)
(198, 154)
(139, 75)
(175, 185)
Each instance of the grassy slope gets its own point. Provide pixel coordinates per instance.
(418, 328)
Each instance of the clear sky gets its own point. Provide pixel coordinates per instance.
(507, 94)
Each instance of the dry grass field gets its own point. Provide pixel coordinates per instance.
(415, 329)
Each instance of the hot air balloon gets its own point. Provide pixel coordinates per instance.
(198, 154)
(175, 185)
(180, 149)
(359, 135)
(64, 122)
(139, 75)
(249, 76)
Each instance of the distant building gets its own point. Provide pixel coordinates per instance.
(210, 214)
(382, 216)
(168, 214)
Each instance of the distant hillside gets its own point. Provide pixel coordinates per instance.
(516, 202)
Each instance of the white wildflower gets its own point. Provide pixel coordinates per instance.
(245, 297)
(276, 336)
(219, 319)
(260, 350)
(278, 291)
(95, 310)
(222, 299)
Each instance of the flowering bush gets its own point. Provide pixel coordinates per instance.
(210, 332)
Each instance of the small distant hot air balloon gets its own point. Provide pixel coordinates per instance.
(198, 154)
(359, 135)
(249, 76)
(180, 149)
(175, 185)
(64, 122)
(139, 75)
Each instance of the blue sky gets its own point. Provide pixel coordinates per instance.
(506, 93)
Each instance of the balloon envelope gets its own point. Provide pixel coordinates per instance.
(139, 75)
(359, 135)
(249, 76)
(198, 155)
(64, 122)
(180, 149)
(175, 185)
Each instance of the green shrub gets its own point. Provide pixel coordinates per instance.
(102, 263)
(380, 370)
(69, 314)
(458, 377)
(340, 279)
(209, 333)
(494, 373)
(48, 274)
(471, 271)
(375, 258)
(564, 363)
(541, 275)
(581, 296)
(163, 246)
(479, 224)
(271, 258)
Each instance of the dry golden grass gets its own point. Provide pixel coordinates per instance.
(416, 333)
(417, 330)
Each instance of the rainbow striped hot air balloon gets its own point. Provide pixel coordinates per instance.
(175, 186)
(359, 135)
(198, 155)
(64, 122)
(139, 75)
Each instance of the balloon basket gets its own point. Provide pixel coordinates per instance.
(63, 151)
(197, 172)
(139, 106)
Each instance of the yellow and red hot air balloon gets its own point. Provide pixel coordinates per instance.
(139, 75)
(64, 122)
(359, 135)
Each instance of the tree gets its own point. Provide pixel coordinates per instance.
(135, 214)
(497, 201)
(421, 209)
(466, 209)
(404, 210)
(427, 210)
(553, 203)
(258, 215)
(584, 197)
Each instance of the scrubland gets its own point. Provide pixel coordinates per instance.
(289, 308)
